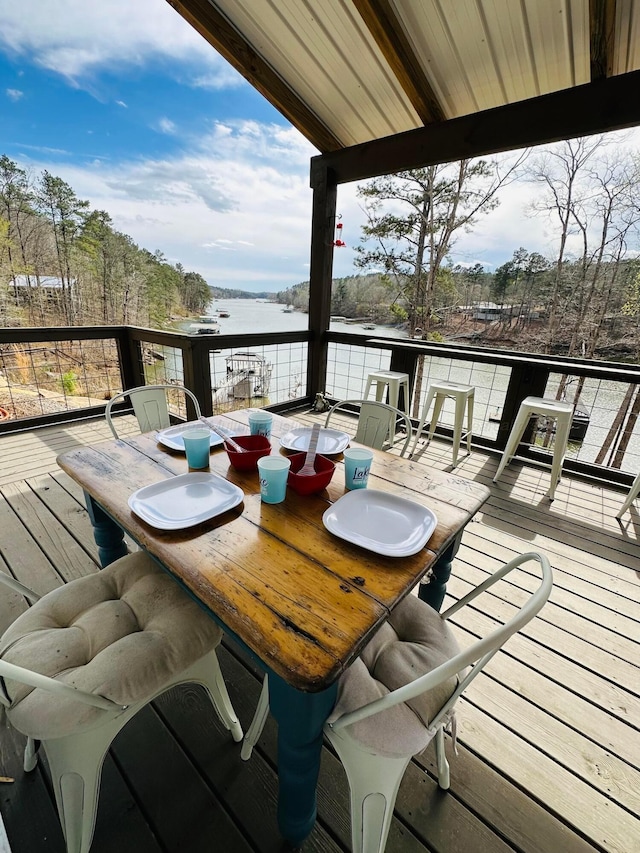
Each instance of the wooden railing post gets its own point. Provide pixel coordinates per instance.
(405, 362)
(320, 277)
(197, 375)
(130, 355)
(525, 380)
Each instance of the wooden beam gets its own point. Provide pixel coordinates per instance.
(222, 35)
(604, 105)
(602, 20)
(385, 27)
(320, 277)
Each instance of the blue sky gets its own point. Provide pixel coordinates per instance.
(130, 106)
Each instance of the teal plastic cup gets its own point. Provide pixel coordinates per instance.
(197, 445)
(273, 472)
(357, 464)
(260, 423)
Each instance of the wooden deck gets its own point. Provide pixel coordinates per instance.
(549, 735)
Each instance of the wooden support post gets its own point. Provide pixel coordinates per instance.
(196, 371)
(322, 229)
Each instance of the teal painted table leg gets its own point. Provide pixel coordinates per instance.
(434, 590)
(108, 535)
(300, 717)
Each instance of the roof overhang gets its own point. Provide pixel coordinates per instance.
(384, 85)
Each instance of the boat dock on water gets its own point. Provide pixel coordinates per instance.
(248, 375)
(207, 324)
(204, 329)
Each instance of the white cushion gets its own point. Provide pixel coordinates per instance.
(122, 633)
(413, 641)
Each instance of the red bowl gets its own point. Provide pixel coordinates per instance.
(256, 446)
(313, 483)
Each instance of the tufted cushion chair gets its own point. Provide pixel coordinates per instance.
(85, 658)
(413, 641)
(121, 633)
(400, 693)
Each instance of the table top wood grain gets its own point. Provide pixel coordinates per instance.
(304, 601)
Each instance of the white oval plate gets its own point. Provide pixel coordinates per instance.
(185, 500)
(330, 441)
(172, 437)
(381, 522)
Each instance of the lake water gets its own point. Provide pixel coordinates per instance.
(288, 361)
(348, 369)
(248, 316)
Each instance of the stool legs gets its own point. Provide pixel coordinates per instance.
(562, 438)
(634, 491)
(439, 395)
(368, 388)
(563, 425)
(522, 419)
(435, 417)
(423, 418)
(459, 420)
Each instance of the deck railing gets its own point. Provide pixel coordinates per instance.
(502, 380)
(49, 375)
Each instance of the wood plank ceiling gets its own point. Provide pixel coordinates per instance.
(381, 85)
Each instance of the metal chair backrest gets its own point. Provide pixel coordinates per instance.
(475, 656)
(150, 406)
(376, 422)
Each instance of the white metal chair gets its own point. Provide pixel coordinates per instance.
(377, 422)
(149, 406)
(634, 491)
(384, 715)
(85, 658)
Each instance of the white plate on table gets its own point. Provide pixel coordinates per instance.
(330, 441)
(381, 522)
(185, 500)
(172, 437)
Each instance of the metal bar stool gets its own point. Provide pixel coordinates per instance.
(464, 398)
(634, 491)
(535, 407)
(392, 380)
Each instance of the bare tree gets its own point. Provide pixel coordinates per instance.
(560, 172)
(593, 192)
(413, 220)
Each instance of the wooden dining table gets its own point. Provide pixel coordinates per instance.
(301, 600)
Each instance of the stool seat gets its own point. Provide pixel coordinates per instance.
(394, 381)
(530, 407)
(464, 399)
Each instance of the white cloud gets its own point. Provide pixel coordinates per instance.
(165, 125)
(43, 149)
(220, 78)
(14, 94)
(235, 204)
(76, 38)
(229, 208)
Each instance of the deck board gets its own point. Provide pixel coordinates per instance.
(549, 735)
